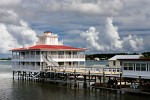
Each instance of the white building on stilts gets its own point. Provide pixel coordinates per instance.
(47, 54)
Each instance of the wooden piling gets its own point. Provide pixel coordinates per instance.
(75, 79)
(103, 79)
(89, 78)
(140, 84)
(120, 79)
(13, 74)
(84, 83)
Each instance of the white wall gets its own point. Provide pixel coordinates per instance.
(111, 64)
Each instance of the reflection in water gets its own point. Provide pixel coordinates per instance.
(25, 90)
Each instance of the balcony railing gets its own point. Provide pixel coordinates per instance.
(26, 57)
(21, 57)
(67, 56)
(28, 67)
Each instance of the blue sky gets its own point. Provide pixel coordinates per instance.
(120, 25)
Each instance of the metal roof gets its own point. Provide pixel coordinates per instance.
(125, 57)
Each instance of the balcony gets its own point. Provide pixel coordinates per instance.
(67, 57)
(54, 57)
(26, 58)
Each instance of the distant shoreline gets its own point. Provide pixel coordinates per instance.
(4, 60)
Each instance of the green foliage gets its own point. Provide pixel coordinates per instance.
(146, 54)
(5, 58)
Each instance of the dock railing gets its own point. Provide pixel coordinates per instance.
(92, 70)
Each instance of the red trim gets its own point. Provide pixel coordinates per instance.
(140, 59)
(51, 47)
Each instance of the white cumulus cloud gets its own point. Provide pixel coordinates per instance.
(110, 39)
(133, 43)
(15, 32)
(6, 40)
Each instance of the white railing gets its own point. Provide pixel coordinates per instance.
(67, 56)
(28, 67)
(107, 71)
(52, 56)
(26, 57)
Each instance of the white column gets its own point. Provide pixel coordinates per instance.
(15, 63)
(84, 59)
(40, 59)
(30, 56)
(72, 64)
(19, 55)
(71, 54)
(35, 59)
(78, 64)
(57, 54)
(12, 55)
(16, 55)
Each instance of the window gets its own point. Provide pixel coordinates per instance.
(125, 68)
(32, 52)
(125, 64)
(61, 63)
(138, 67)
(121, 63)
(143, 67)
(114, 63)
(60, 53)
(37, 52)
(130, 66)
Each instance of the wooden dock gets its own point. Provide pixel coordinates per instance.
(106, 80)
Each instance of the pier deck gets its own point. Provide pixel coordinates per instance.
(87, 77)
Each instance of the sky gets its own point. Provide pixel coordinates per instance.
(102, 26)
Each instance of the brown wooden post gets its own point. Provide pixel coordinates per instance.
(18, 75)
(95, 79)
(103, 79)
(120, 79)
(13, 74)
(89, 79)
(75, 79)
(140, 84)
(100, 79)
(84, 84)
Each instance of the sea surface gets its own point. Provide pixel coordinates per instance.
(26, 90)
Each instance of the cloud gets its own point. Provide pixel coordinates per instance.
(15, 32)
(133, 43)
(9, 3)
(22, 18)
(79, 6)
(6, 40)
(111, 35)
(92, 37)
(110, 39)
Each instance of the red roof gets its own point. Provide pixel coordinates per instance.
(50, 47)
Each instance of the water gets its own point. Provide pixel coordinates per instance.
(20, 90)
(94, 62)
